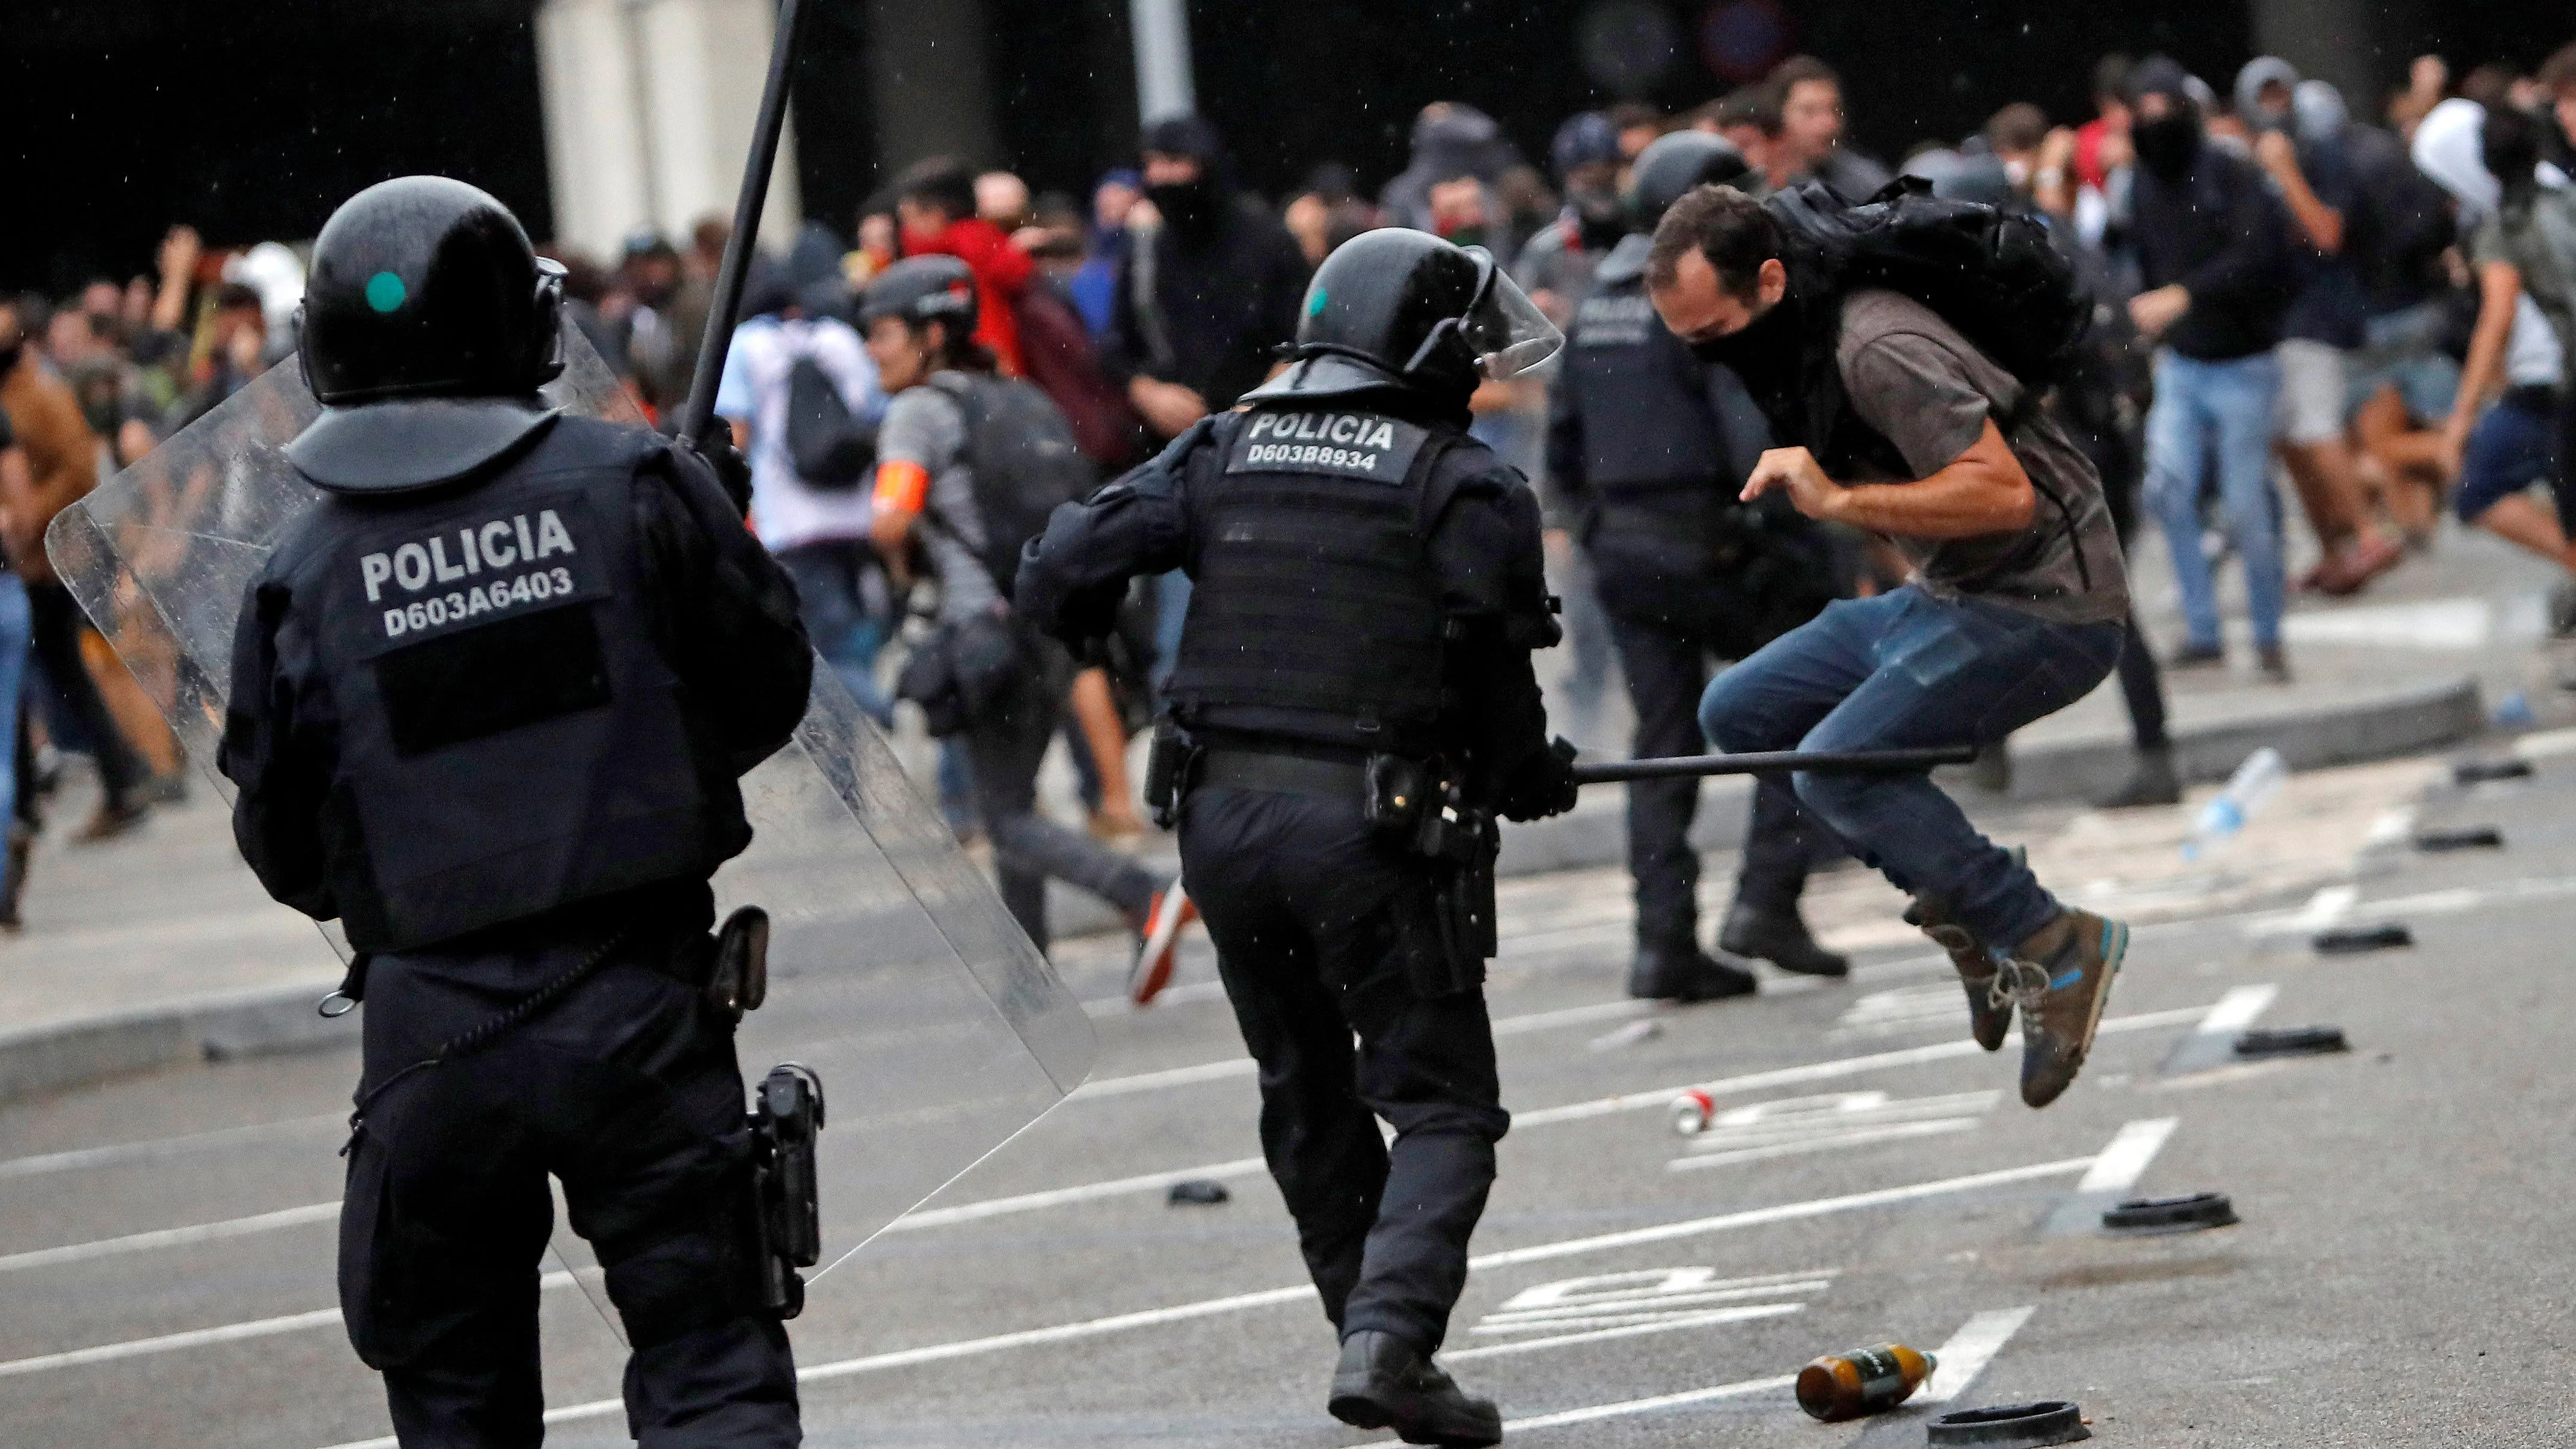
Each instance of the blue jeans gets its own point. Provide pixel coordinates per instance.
(835, 582)
(1905, 671)
(2218, 414)
(17, 632)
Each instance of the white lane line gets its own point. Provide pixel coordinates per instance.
(2213, 1042)
(1856, 1137)
(171, 1342)
(115, 1153)
(1710, 1319)
(1739, 1389)
(1205, 1308)
(2121, 1164)
(1969, 1351)
(1242, 1066)
(320, 1212)
(2237, 1009)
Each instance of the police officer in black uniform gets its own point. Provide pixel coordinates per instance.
(490, 700)
(1647, 448)
(1355, 693)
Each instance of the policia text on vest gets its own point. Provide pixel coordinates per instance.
(1354, 445)
(489, 547)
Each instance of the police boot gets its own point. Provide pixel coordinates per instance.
(1384, 1381)
(1780, 938)
(1685, 974)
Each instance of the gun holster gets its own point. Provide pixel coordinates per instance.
(1171, 764)
(739, 980)
(786, 1202)
(1427, 806)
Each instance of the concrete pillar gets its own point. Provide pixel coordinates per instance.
(649, 106)
(2330, 40)
(1164, 84)
(930, 83)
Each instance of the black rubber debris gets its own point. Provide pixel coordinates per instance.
(2146, 1215)
(2478, 772)
(1200, 1191)
(2354, 940)
(2292, 1041)
(2471, 837)
(2011, 1426)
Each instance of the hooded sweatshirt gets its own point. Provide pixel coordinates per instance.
(1209, 293)
(2448, 149)
(2203, 218)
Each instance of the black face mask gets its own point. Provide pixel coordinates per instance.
(1764, 349)
(1191, 207)
(1599, 217)
(2167, 144)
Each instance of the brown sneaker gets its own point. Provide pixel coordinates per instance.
(110, 822)
(2061, 979)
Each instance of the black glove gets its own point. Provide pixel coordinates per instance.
(714, 446)
(1542, 784)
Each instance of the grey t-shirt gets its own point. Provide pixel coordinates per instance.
(1912, 377)
(923, 424)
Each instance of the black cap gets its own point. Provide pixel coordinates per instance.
(1672, 166)
(427, 327)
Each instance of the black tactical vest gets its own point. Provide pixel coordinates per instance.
(1647, 424)
(511, 739)
(1316, 603)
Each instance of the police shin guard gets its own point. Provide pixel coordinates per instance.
(787, 1217)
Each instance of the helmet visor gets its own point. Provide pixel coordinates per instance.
(1504, 328)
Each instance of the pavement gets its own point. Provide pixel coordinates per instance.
(166, 1238)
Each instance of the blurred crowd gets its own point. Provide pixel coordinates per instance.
(2370, 298)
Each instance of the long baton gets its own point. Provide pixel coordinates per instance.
(746, 222)
(1774, 762)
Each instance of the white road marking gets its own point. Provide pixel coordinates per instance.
(1710, 1318)
(1792, 1125)
(2546, 744)
(320, 1212)
(1602, 1299)
(2236, 1010)
(2121, 1164)
(1902, 1009)
(121, 1152)
(1243, 1066)
(1211, 1307)
(1739, 1389)
(2458, 623)
(1969, 1351)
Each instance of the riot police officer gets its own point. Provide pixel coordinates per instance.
(490, 699)
(1647, 447)
(1353, 702)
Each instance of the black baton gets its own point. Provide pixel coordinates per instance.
(746, 222)
(1774, 762)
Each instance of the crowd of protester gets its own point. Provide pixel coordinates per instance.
(2373, 298)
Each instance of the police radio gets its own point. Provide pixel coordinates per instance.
(787, 1212)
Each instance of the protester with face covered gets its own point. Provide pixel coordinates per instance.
(1451, 142)
(2213, 257)
(1556, 266)
(2327, 319)
(1208, 295)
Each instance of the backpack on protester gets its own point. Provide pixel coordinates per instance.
(1025, 462)
(1061, 360)
(827, 445)
(1990, 272)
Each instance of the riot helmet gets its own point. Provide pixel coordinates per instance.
(922, 290)
(1402, 308)
(1672, 166)
(428, 324)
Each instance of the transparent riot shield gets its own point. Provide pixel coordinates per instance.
(895, 973)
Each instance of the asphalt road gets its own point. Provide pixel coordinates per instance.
(2399, 1276)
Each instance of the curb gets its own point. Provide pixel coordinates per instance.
(2403, 721)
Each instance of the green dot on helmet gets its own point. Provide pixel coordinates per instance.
(1315, 301)
(386, 292)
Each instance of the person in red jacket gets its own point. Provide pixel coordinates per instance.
(935, 201)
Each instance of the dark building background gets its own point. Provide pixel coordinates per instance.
(250, 120)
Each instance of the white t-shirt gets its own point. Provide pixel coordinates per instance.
(784, 511)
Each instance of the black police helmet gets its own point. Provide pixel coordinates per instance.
(1402, 308)
(922, 290)
(1667, 170)
(427, 327)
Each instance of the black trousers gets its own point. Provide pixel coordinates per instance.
(1667, 668)
(627, 1091)
(57, 647)
(1308, 911)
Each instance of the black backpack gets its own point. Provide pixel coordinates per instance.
(1990, 272)
(1025, 463)
(827, 445)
